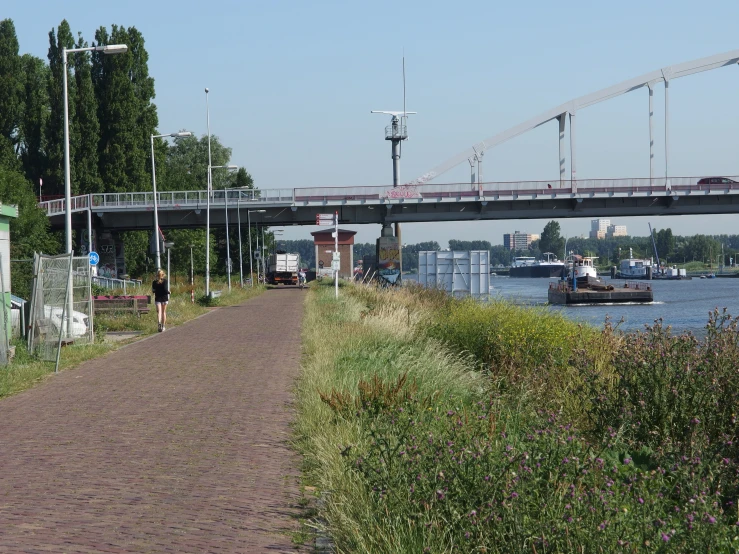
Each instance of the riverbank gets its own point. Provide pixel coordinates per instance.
(435, 425)
(25, 371)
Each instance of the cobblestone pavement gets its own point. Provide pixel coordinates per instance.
(176, 443)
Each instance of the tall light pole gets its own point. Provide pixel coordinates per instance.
(225, 196)
(207, 210)
(251, 256)
(154, 184)
(168, 245)
(107, 49)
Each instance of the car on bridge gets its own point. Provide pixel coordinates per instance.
(717, 181)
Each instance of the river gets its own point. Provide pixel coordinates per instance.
(684, 305)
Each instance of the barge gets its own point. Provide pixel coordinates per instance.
(583, 286)
(562, 292)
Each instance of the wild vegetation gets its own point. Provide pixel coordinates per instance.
(436, 425)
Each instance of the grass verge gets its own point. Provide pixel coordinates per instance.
(25, 370)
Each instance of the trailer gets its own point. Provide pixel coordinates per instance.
(282, 268)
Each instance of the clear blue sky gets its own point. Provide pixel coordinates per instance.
(292, 84)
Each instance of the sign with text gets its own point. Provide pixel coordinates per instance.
(402, 192)
(325, 219)
(388, 261)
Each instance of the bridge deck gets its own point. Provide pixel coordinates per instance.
(176, 443)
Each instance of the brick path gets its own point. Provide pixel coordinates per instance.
(176, 443)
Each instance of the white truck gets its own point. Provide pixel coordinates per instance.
(283, 268)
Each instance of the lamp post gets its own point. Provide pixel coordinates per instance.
(192, 277)
(154, 184)
(107, 49)
(207, 209)
(225, 196)
(168, 245)
(251, 256)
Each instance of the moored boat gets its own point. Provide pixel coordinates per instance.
(528, 266)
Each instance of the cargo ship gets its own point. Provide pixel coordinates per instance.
(528, 266)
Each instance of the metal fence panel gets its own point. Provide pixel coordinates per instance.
(49, 319)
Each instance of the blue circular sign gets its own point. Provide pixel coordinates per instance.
(94, 258)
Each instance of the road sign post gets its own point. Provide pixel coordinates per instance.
(336, 255)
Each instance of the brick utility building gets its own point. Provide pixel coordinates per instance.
(324, 245)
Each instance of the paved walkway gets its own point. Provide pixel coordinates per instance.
(176, 443)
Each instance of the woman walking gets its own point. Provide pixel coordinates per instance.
(160, 288)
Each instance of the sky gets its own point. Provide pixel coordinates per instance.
(292, 84)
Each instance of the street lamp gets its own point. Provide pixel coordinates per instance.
(107, 49)
(154, 182)
(207, 211)
(225, 196)
(251, 256)
(168, 245)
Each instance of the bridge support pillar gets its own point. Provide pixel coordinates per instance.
(388, 255)
(561, 120)
(651, 136)
(667, 134)
(573, 152)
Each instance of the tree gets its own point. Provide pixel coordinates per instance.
(11, 88)
(86, 128)
(58, 40)
(186, 165)
(29, 232)
(126, 114)
(551, 240)
(665, 243)
(35, 118)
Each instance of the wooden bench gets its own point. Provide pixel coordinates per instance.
(129, 303)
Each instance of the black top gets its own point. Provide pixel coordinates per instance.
(160, 290)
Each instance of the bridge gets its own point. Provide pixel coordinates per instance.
(421, 200)
(411, 203)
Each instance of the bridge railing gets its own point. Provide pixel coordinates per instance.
(431, 191)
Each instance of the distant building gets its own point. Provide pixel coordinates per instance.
(617, 231)
(602, 228)
(518, 240)
(599, 228)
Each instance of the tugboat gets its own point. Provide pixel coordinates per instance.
(583, 286)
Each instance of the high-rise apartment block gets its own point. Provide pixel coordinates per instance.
(518, 240)
(602, 228)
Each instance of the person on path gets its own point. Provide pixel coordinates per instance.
(160, 289)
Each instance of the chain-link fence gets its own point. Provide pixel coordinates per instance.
(61, 304)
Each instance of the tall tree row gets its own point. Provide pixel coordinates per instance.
(111, 119)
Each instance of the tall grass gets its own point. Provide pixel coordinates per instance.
(436, 425)
(346, 344)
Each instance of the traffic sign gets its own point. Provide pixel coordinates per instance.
(94, 258)
(325, 219)
(336, 265)
(336, 257)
